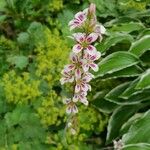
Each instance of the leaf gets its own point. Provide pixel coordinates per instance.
(16, 116)
(139, 131)
(127, 125)
(105, 8)
(138, 146)
(128, 27)
(2, 5)
(140, 46)
(68, 15)
(115, 96)
(23, 38)
(144, 82)
(131, 90)
(19, 61)
(127, 72)
(113, 40)
(36, 32)
(103, 105)
(2, 18)
(115, 62)
(118, 118)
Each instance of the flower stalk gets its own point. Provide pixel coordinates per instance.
(82, 57)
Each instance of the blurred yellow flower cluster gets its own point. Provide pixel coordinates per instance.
(20, 89)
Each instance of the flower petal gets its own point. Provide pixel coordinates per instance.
(102, 29)
(89, 87)
(94, 67)
(69, 109)
(80, 16)
(98, 55)
(69, 67)
(86, 79)
(74, 109)
(77, 48)
(84, 87)
(79, 37)
(85, 102)
(91, 38)
(62, 81)
(71, 79)
(91, 49)
(85, 11)
(75, 98)
(78, 73)
(67, 101)
(77, 88)
(74, 57)
(85, 67)
(73, 24)
(89, 75)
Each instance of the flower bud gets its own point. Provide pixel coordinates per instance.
(92, 9)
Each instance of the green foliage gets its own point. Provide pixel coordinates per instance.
(139, 146)
(140, 127)
(116, 61)
(33, 50)
(125, 49)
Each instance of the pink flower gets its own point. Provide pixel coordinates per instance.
(75, 66)
(88, 61)
(82, 83)
(99, 30)
(84, 42)
(67, 77)
(81, 96)
(78, 20)
(83, 56)
(71, 107)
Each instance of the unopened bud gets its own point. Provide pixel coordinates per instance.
(73, 131)
(92, 9)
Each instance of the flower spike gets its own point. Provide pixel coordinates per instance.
(83, 56)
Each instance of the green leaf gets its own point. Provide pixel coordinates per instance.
(16, 116)
(103, 105)
(2, 5)
(140, 46)
(23, 38)
(115, 62)
(118, 118)
(128, 27)
(68, 15)
(113, 40)
(144, 82)
(115, 95)
(127, 125)
(139, 131)
(131, 90)
(138, 146)
(2, 18)
(19, 61)
(36, 32)
(127, 72)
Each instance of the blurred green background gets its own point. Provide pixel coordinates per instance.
(33, 50)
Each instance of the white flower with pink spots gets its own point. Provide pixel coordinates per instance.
(83, 57)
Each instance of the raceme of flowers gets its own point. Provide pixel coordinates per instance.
(82, 57)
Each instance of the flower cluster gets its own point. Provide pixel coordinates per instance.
(82, 57)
